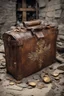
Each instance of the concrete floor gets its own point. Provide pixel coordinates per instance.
(10, 87)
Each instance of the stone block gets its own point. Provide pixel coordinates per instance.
(57, 14)
(54, 7)
(61, 32)
(62, 20)
(62, 15)
(42, 18)
(49, 19)
(53, 2)
(42, 3)
(57, 6)
(42, 10)
(50, 14)
(42, 14)
(61, 26)
(61, 29)
(50, 8)
(62, 6)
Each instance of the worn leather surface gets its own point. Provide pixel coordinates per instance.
(26, 53)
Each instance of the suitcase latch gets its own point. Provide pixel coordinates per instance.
(39, 34)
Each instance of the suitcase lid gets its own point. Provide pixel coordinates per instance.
(18, 35)
(16, 38)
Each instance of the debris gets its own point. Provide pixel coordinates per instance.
(2, 48)
(40, 85)
(1, 57)
(59, 43)
(2, 67)
(60, 48)
(59, 59)
(33, 80)
(42, 75)
(36, 77)
(1, 51)
(55, 74)
(23, 85)
(61, 82)
(47, 79)
(33, 84)
(61, 37)
(6, 83)
(3, 64)
(29, 87)
(14, 87)
(61, 68)
(24, 80)
(57, 78)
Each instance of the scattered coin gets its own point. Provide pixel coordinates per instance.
(11, 83)
(46, 79)
(33, 84)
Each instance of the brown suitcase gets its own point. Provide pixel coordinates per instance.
(29, 51)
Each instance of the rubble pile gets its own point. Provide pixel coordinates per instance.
(60, 40)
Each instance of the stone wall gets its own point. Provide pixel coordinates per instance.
(7, 14)
(50, 10)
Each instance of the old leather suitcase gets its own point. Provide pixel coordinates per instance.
(29, 51)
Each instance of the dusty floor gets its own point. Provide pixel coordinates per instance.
(10, 87)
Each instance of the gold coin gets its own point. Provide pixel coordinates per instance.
(11, 83)
(33, 84)
(46, 79)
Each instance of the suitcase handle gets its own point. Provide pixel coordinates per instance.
(31, 23)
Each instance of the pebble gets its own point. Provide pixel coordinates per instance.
(55, 74)
(40, 85)
(36, 77)
(29, 87)
(24, 80)
(23, 85)
(57, 78)
(3, 64)
(42, 75)
(61, 67)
